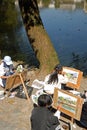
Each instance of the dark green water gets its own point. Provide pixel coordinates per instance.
(14, 41)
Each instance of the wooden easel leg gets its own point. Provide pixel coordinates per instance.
(71, 123)
(24, 87)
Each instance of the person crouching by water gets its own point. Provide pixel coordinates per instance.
(6, 69)
(55, 79)
(42, 118)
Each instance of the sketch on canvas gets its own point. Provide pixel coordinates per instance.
(69, 103)
(74, 77)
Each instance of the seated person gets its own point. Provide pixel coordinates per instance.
(42, 118)
(6, 69)
(84, 95)
(83, 119)
(54, 79)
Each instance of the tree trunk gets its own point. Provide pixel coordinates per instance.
(37, 35)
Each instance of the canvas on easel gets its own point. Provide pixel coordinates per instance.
(15, 80)
(70, 104)
(74, 77)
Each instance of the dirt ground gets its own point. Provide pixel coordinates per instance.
(15, 112)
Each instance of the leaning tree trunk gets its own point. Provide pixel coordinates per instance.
(37, 35)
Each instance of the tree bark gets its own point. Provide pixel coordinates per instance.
(37, 35)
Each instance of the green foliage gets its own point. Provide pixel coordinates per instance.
(57, 3)
(7, 13)
(46, 2)
(38, 1)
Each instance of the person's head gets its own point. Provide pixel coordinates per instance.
(54, 76)
(58, 68)
(7, 60)
(44, 100)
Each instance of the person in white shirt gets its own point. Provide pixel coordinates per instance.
(55, 79)
(6, 69)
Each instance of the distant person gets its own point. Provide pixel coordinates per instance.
(42, 118)
(55, 79)
(6, 69)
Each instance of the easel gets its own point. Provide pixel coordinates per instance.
(74, 113)
(75, 86)
(68, 122)
(24, 86)
(15, 80)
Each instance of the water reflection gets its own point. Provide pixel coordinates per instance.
(64, 4)
(67, 27)
(14, 40)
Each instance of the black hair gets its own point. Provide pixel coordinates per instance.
(54, 76)
(44, 100)
(58, 67)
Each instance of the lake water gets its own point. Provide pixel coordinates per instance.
(67, 30)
